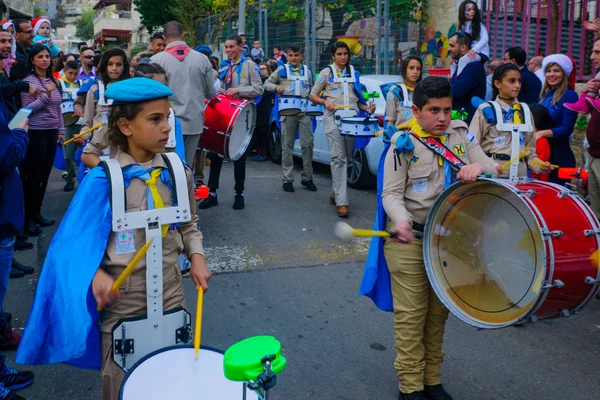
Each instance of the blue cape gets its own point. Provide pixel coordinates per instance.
(376, 282)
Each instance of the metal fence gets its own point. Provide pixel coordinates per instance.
(381, 32)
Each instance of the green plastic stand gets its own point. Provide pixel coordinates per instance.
(243, 360)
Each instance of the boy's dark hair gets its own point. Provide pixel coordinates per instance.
(499, 74)
(463, 37)
(294, 48)
(73, 64)
(432, 87)
(115, 138)
(235, 38)
(84, 44)
(405, 63)
(114, 52)
(256, 40)
(146, 70)
(157, 35)
(541, 117)
(518, 54)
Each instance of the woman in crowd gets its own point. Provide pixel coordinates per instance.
(555, 93)
(260, 138)
(398, 105)
(45, 127)
(338, 89)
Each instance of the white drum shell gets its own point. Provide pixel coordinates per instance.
(359, 126)
(290, 105)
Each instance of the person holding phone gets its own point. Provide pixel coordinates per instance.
(46, 128)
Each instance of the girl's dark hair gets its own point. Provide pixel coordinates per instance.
(405, 63)
(114, 52)
(499, 74)
(541, 117)
(97, 60)
(214, 62)
(115, 138)
(59, 64)
(34, 51)
(475, 24)
(145, 70)
(341, 45)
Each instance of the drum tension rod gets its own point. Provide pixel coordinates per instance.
(591, 281)
(556, 284)
(590, 232)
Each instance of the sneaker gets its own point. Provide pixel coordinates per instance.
(65, 174)
(43, 221)
(22, 267)
(436, 392)
(22, 245)
(69, 186)
(209, 202)
(309, 185)
(288, 187)
(7, 394)
(32, 229)
(238, 203)
(410, 396)
(15, 380)
(343, 211)
(9, 340)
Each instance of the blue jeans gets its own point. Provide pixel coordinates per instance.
(6, 256)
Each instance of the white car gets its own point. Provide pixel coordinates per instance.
(362, 169)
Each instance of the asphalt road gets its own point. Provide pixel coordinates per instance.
(280, 271)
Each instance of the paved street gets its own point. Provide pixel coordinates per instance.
(281, 271)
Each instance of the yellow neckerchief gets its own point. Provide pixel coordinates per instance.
(412, 89)
(418, 130)
(516, 108)
(339, 73)
(158, 201)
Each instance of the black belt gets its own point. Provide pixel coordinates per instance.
(418, 227)
(501, 157)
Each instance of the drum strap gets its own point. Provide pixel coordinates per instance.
(441, 150)
(343, 80)
(294, 75)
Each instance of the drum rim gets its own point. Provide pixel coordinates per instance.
(360, 120)
(547, 262)
(158, 351)
(246, 142)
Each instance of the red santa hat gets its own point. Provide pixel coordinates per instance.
(5, 25)
(37, 24)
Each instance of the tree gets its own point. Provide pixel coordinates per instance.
(85, 25)
(155, 13)
(190, 12)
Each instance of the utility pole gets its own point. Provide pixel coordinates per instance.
(242, 18)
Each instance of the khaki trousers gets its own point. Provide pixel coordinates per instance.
(190, 143)
(419, 318)
(594, 185)
(340, 148)
(199, 164)
(301, 123)
(132, 303)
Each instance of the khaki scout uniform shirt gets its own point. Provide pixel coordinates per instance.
(395, 111)
(94, 114)
(275, 80)
(411, 186)
(333, 92)
(250, 85)
(493, 141)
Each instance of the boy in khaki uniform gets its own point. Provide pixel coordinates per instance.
(240, 78)
(280, 82)
(413, 178)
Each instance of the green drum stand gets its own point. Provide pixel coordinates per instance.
(256, 361)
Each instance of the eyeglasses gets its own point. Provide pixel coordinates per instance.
(27, 32)
(88, 57)
(264, 69)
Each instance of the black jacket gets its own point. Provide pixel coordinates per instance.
(19, 71)
(531, 87)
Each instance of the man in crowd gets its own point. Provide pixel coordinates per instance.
(87, 70)
(157, 43)
(490, 74)
(190, 77)
(535, 66)
(593, 136)
(24, 37)
(469, 82)
(530, 84)
(80, 47)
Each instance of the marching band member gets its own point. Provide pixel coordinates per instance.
(70, 85)
(398, 104)
(413, 175)
(240, 78)
(339, 86)
(62, 326)
(114, 67)
(294, 78)
(497, 143)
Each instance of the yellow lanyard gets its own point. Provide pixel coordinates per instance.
(158, 201)
(418, 130)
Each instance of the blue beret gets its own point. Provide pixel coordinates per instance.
(204, 49)
(137, 89)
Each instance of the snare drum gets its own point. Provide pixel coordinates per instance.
(228, 126)
(359, 126)
(290, 105)
(66, 108)
(498, 253)
(175, 373)
(314, 110)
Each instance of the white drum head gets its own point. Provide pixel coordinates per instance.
(241, 131)
(484, 253)
(174, 373)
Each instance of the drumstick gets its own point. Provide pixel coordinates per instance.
(522, 154)
(93, 128)
(347, 233)
(543, 164)
(346, 106)
(129, 269)
(198, 328)
(594, 257)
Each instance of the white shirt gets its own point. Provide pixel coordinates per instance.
(488, 87)
(540, 74)
(482, 44)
